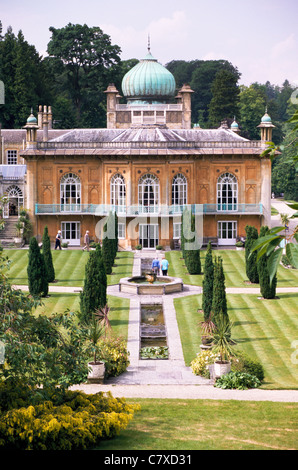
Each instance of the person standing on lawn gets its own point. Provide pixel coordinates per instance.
(58, 240)
(86, 240)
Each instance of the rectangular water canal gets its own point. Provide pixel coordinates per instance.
(153, 332)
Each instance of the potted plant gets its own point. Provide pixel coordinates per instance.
(222, 345)
(207, 329)
(239, 245)
(96, 367)
(64, 245)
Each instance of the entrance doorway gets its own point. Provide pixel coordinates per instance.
(71, 233)
(227, 233)
(148, 235)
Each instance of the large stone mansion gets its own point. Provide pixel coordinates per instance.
(148, 164)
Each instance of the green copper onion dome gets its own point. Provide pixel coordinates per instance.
(31, 119)
(148, 82)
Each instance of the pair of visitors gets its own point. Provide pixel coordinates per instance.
(58, 240)
(86, 241)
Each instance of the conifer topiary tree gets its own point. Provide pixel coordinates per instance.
(36, 270)
(268, 290)
(93, 295)
(219, 301)
(108, 244)
(208, 283)
(192, 256)
(47, 254)
(251, 258)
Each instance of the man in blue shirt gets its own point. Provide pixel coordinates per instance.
(164, 267)
(155, 265)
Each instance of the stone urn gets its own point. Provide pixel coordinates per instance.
(221, 368)
(96, 372)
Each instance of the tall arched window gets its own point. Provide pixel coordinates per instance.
(179, 190)
(70, 193)
(118, 192)
(15, 200)
(149, 193)
(227, 192)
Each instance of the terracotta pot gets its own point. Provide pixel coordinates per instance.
(221, 368)
(96, 373)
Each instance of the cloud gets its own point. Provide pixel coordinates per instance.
(283, 47)
(168, 36)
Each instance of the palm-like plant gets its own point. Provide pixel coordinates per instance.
(93, 335)
(102, 315)
(221, 338)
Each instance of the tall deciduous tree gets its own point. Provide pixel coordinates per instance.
(88, 58)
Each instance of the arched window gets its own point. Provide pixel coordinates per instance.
(15, 200)
(179, 190)
(227, 192)
(149, 193)
(118, 192)
(70, 193)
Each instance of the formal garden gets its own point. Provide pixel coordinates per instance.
(261, 329)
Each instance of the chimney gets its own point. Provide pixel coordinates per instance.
(45, 124)
(50, 117)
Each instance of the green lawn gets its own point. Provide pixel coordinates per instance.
(165, 424)
(69, 267)
(264, 329)
(59, 303)
(234, 268)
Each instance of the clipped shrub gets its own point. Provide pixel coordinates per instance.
(47, 254)
(237, 380)
(80, 422)
(267, 288)
(36, 270)
(208, 283)
(114, 353)
(251, 257)
(241, 362)
(200, 364)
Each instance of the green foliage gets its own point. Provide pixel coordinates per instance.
(79, 422)
(47, 254)
(267, 288)
(208, 283)
(190, 252)
(113, 352)
(94, 291)
(251, 258)
(200, 364)
(219, 300)
(110, 242)
(222, 345)
(37, 274)
(241, 362)
(154, 352)
(237, 380)
(225, 97)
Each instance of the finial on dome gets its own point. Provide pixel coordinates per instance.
(148, 42)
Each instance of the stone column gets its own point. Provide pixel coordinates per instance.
(186, 92)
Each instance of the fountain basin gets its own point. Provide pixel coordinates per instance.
(140, 286)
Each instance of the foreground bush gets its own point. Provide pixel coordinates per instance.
(200, 364)
(114, 353)
(237, 380)
(79, 421)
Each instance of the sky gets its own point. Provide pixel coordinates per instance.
(259, 37)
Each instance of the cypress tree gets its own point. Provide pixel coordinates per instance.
(208, 283)
(219, 301)
(268, 291)
(36, 270)
(108, 243)
(47, 254)
(251, 258)
(93, 295)
(192, 257)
